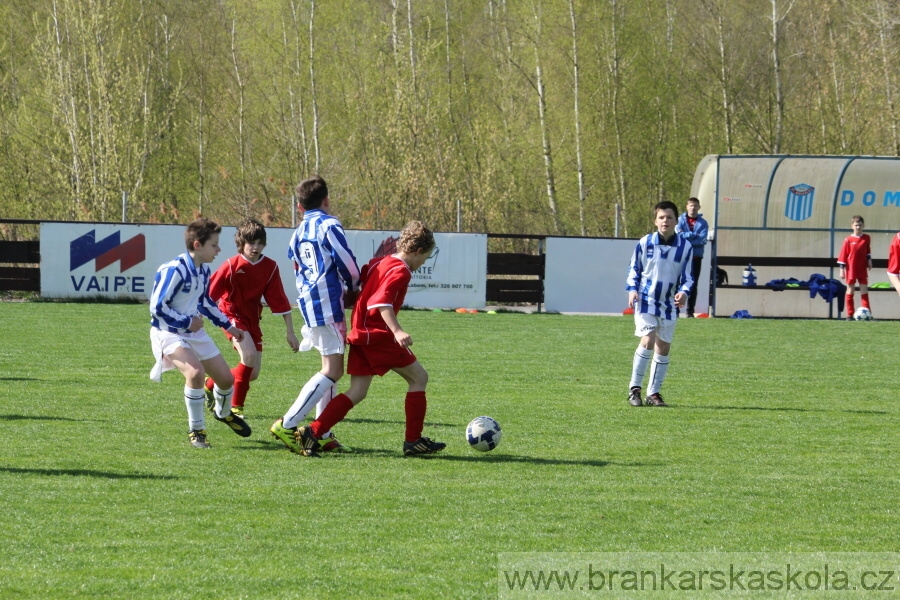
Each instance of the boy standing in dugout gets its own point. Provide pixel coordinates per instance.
(325, 267)
(694, 228)
(855, 260)
(659, 280)
(379, 344)
(178, 303)
(238, 287)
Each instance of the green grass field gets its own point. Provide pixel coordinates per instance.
(782, 437)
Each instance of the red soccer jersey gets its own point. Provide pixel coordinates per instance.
(854, 255)
(239, 286)
(894, 256)
(384, 283)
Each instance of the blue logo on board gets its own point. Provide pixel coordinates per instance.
(799, 203)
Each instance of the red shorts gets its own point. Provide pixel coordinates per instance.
(378, 359)
(862, 278)
(251, 328)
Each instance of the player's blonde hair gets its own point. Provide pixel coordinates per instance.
(414, 237)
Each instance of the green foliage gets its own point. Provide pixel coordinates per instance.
(782, 437)
(221, 108)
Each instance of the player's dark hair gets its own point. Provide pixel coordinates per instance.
(858, 218)
(249, 231)
(665, 205)
(414, 237)
(692, 199)
(311, 193)
(200, 230)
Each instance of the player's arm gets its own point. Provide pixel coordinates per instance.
(635, 272)
(701, 232)
(347, 268)
(390, 318)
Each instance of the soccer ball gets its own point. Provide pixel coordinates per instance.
(483, 434)
(862, 314)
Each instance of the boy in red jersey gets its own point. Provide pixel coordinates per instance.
(238, 287)
(379, 344)
(855, 260)
(893, 268)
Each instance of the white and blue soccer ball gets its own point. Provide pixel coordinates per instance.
(862, 314)
(483, 434)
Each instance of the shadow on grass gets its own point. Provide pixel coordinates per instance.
(491, 458)
(38, 418)
(84, 473)
(20, 379)
(783, 409)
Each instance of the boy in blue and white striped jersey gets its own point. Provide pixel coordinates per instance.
(659, 280)
(325, 269)
(178, 303)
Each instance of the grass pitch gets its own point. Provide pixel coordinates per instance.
(782, 437)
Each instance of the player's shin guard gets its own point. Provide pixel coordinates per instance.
(223, 401)
(241, 375)
(848, 304)
(415, 406)
(333, 414)
(193, 400)
(309, 395)
(657, 373)
(642, 358)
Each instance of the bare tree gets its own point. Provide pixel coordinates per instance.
(542, 116)
(312, 82)
(579, 164)
(777, 20)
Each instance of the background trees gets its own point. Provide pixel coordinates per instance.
(534, 116)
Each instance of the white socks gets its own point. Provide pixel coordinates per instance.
(642, 358)
(193, 400)
(223, 401)
(658, 369)
(314, 389)
(657, 373)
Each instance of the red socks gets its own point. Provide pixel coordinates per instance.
(865, 301)
(415, 415)
(340, 405)
(241, 375)
(848, 304)
(333, 414)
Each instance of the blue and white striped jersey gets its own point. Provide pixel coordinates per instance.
(180, 291)
(658, 272)
(324, 266)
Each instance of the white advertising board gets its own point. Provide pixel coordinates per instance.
(82, 260)
(588, 276)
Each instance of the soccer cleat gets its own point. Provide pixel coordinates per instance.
(286, 435)
(237, 424)
(309, 443)
(634, 397)
(421, 446)
(655, 400)
(238, 410)
(210, 396)
(329, 443)
(198, 438)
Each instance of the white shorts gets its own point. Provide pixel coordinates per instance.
(165, 343)
(327, 339)
(645, 324)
